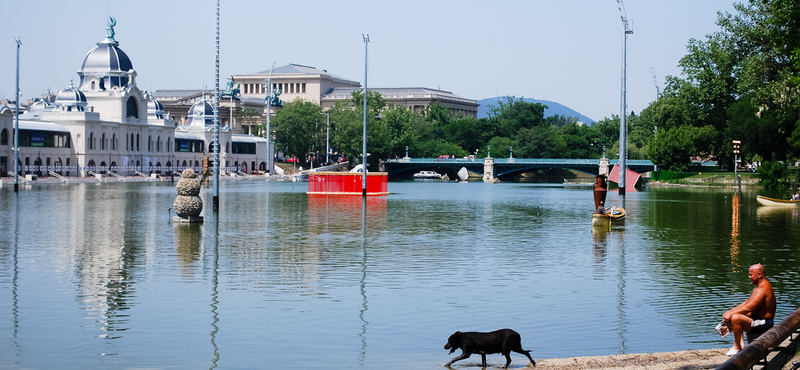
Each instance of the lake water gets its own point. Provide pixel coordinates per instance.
(97, 276)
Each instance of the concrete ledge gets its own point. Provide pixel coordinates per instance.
(187, 220)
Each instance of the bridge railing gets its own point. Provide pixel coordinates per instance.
(554, 161)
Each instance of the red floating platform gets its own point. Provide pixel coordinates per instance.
(347, 183)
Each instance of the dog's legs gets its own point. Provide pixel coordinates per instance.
(483, 359)
(526, 353)
(508, 358)
(463, 355)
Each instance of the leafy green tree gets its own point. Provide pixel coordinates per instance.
(773, 175)
(673, 149)
(296, 126)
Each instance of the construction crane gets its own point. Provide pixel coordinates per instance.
(658, 89)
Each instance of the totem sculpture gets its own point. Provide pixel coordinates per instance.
(188, 204)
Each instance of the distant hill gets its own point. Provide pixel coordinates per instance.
(553, 108)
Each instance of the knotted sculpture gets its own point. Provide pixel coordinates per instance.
(188, 204)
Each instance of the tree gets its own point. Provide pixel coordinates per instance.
(249, 117)
(296, 127)
(673, 149)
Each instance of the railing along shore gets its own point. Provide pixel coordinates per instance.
(759, 348)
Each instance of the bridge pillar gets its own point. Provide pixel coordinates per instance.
(603, 167)
(488, 169)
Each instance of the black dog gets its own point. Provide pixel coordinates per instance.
(500, 341)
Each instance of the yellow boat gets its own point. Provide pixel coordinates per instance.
(765, 201)
(611, 214)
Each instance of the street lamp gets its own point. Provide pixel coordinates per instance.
(511, 152)
(328, 139)
(623, 150)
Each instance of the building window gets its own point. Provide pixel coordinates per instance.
(91, 139)
(137, 142)
(103, 141)
(114, 142)
(4, 137)
(132, 108)
(304, 87)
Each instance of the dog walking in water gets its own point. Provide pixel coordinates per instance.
(499, 341)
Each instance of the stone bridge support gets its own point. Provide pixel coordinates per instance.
(488, 169)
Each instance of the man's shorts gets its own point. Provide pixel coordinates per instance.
(762, 325)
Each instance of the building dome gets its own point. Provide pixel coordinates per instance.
(155, 109)
(71, 98)
(106, 64)
(201, 115)
(70, 95)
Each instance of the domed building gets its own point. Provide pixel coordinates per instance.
(108, 124)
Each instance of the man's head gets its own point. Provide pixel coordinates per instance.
(756, 273)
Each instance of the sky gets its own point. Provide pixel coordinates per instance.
(566, 51)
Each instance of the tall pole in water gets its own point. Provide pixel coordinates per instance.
(623, 134)
(267, 132)
(364, 149)
(16, 124)
(216, 119)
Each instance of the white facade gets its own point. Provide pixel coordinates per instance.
(108, 124)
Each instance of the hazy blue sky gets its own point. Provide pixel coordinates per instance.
(567, 51)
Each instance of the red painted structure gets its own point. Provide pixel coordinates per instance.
(347, 183)
(631, 178)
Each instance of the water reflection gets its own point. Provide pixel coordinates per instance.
(363, 284)
(735, 233)
(214, 246)
(599, 250)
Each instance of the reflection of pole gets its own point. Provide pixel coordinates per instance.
(363, 280)
(735, 233)
(328, 140)
(621, 324)
(215, 293)
(364, 149)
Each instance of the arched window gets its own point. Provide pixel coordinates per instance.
(132, 146)
(169, 144)
(103, 141)
(158, 144)
(114, 142)
(132, 108)
(150, 143)
(4, 137)
(137, 142)
(92, 85)
(91, 139)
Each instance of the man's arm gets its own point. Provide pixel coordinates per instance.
(757, 297)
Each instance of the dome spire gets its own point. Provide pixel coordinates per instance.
(109, 40)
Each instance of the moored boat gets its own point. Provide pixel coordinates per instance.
(610, 214)
(766, 201)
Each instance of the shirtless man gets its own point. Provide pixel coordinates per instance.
(756, 313)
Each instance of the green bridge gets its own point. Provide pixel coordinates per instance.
(503, 168)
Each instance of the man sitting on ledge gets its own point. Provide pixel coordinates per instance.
(755, 314)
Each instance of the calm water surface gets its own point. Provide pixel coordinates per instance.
(97, 276)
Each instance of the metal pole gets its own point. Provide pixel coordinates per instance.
(364, 149)
(623, 135)
(16, 124)
(328, 140)
(216, 119)
(267, 132)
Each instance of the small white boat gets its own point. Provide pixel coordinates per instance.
(422, 175)
(765, 201)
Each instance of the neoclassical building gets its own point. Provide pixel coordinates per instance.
(107, 123)
(313, 85)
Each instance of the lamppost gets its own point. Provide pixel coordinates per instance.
(511, 152)
(328, 140)
(406, 151)
(623, 135)
(364, 151)
(16, 124)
